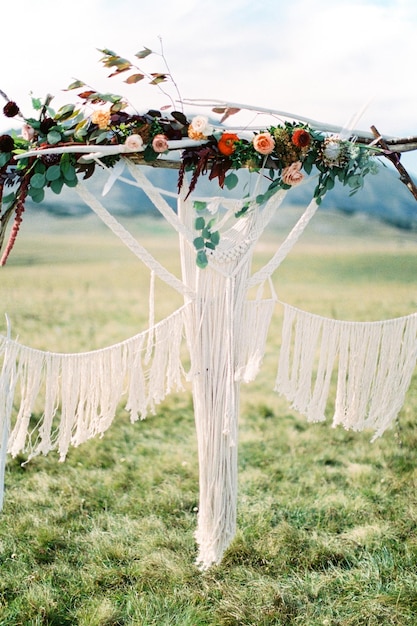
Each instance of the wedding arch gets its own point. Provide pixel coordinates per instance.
(373, 362)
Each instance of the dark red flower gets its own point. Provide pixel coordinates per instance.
(46, 125)
(226, 143)
(301, 138)
(6, 143)
(10, 109)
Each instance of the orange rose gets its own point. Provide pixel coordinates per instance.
(226, 143)
(301, 138)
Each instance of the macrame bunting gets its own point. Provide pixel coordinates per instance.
(371, 364)
(65, 399)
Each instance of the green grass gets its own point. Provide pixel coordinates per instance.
(327, 522)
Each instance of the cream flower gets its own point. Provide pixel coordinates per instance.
(263, 143)
(200, 128)
(134, 143)
(160, 143)
(291, 175)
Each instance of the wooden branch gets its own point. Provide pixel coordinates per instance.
(394, 157)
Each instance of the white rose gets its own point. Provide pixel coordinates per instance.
(134, 143)
(200, 128)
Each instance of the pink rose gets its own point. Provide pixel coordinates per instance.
(134, 143)
(28, 132)
(263, 143)
(291, 175)
(160, 143)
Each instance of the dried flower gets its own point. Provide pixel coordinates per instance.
(334, 153)
(160, 143)
(134, 143)
(226, 143)
(292, 175)
(6, 143)
(101, 118)
(301, 138)
(200, 128)
(10, 109)
(264, 143)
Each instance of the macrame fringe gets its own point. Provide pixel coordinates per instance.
(371, 364)
(81, 392)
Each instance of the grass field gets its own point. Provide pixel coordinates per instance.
(327, 522)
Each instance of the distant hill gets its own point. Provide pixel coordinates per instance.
(384, 197)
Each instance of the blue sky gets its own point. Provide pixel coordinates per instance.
(324, 59)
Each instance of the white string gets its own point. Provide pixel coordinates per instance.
(131, 243)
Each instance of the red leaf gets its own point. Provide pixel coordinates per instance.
(229, 111)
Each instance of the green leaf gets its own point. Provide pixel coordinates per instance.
(215, 237)
(71, 182)
(231, 180)
(329, 183)
(201, 259)
(38, 181)
(37, 195)
(53, 173)
(4, 158)
(53, 137)
(199, 205)
(77, 84)
(11, 197)
(198, 243)
(199, 223)
(56, 185)
(65, 112)
(37, 104)
(143, 53)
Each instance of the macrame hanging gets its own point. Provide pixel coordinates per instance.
(371, 363)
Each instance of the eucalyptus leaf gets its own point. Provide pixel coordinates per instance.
(53, 137)
(56, 185)
(201, 259)
(231, 181)
(37, 195)
(199, 205)
(38, 181)
(199, 224)
(53, 173)
(198, 243)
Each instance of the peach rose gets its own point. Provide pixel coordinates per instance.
(134, 143)
(160, 143)
(263, 143)
(101, 118)
(291, 175)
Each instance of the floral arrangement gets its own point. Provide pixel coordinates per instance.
(49, 151)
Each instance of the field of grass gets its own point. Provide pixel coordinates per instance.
(327, 522)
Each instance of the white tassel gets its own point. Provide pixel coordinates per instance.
(374, 361)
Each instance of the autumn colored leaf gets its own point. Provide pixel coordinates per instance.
(143, 53)
(134, 78)
(158, 78)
